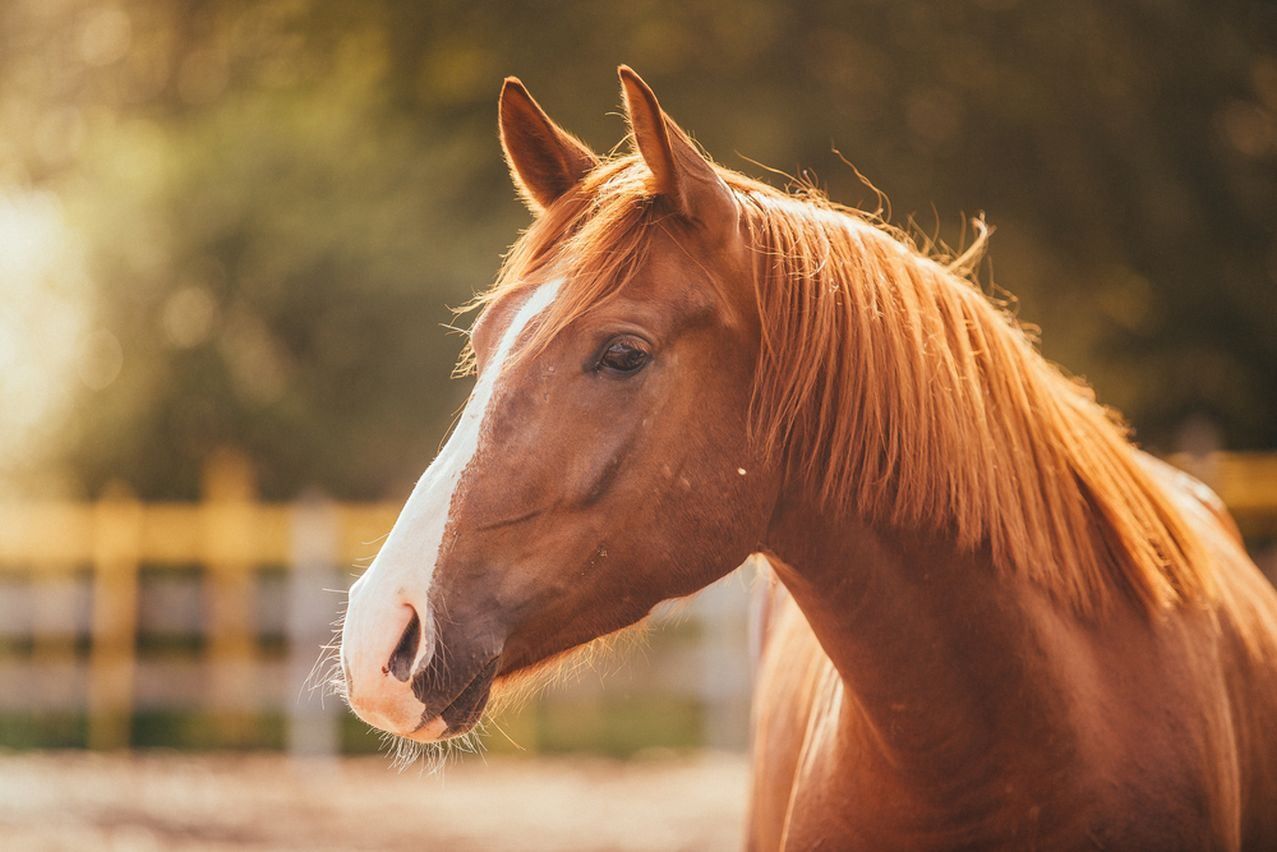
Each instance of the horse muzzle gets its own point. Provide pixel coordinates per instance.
(406, 678)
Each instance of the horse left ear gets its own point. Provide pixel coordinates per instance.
(680, 173)
(545, 160)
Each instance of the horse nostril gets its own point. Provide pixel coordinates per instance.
(401, 660)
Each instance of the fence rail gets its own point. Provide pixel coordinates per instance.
(231, 535)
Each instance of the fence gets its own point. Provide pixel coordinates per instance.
(75, 570)
(314, 542)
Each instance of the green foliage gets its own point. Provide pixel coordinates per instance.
(46, 730)
(276, 202)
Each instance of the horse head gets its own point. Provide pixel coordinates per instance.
(603, 462)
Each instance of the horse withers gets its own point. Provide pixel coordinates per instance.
(994, 622)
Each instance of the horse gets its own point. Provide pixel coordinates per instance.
(990, 620)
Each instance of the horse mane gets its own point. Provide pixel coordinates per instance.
(895, 389)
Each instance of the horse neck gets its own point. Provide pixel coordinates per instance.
(938, 652)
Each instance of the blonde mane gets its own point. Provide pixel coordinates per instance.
(896, 390)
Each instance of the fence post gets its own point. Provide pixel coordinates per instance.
(117, 521)
(314, 720)
(724, 681)
(230, 544)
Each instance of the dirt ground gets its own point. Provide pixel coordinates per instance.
(73, 800)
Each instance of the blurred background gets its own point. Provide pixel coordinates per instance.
(230, 236)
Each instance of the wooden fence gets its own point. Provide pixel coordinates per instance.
(321, 546)
(231, 535)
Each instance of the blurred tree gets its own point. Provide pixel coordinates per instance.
(275, 202)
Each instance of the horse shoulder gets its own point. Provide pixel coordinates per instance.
(1245, 614)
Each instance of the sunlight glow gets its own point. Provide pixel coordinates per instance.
(45, 339)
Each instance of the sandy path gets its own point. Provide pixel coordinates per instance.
(74, 800)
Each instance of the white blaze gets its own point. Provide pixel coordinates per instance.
(405, 565)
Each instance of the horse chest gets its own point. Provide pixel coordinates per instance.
(839, 800)
(821, 783)
(834, 803)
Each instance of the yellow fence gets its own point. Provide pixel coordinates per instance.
(231, 534)
(1247, 483)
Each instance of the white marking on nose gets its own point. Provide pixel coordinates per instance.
(405, 566)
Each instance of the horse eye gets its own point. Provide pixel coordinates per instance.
(624, 355)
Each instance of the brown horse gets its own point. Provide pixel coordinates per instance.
(994, 622)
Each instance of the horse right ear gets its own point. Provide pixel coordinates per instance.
(680, 173)
(545, 160)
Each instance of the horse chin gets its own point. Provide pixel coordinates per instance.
(430, 731)
(506, 687)
(462, 714)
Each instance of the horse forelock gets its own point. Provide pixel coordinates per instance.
(893, 387)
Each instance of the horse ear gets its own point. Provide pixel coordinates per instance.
(545, 160)
(680, 172)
